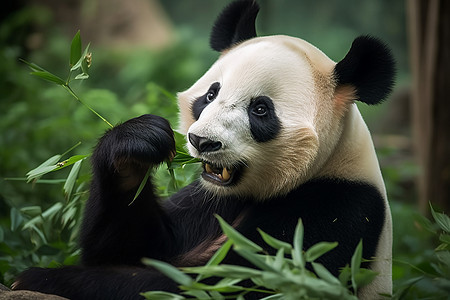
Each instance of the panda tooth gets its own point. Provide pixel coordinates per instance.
(225, 174)
(208, 168)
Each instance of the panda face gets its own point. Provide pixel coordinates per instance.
(253, 117)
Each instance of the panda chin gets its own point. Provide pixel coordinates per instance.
(219, 175)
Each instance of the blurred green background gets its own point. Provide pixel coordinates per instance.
(144, 52)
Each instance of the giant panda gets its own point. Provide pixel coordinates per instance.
(276, 126)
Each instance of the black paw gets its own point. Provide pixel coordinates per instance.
(134, 145)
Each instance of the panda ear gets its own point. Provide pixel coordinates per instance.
(235, 24)
(369, 67)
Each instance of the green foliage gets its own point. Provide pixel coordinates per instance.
(419, 271)
(280, 276)
(45, 234)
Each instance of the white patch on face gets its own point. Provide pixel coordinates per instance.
(292, 74)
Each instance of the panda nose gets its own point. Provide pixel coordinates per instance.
(203, 144)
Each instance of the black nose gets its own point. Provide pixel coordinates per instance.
(203, 144)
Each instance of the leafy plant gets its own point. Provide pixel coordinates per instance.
(280, 276)
(430, 274)
(47, 237)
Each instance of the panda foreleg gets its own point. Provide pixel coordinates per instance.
(116, 229)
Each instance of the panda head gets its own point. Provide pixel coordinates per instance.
(270, 111)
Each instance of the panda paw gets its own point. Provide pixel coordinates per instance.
(129, 149)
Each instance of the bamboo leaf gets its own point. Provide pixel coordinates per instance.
(44, 168)
(75, 49)
(159, 295)
(31, 211)
(275, 243)
(70, 161)
(71, 179)
(170, 271)
(255, 260)
(355, 265)
(238, 239)
(318, 250)
(142, 185)
(49, 77)
(82, 57)
(297, 251)
(218, 256)
(324, 274)
(34, 67)
(16, 219)
(364, 277)
(441, 219)
(228, 271)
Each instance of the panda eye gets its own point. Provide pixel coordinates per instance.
(260, 110)
(210, 96)
(212, 92)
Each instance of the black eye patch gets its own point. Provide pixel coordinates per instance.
(200, 103)
(264, 123)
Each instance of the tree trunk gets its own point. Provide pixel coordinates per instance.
(429, 31)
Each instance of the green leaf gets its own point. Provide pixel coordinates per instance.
(39, 233)
(170, 271)
(34, 67)
(142, 185)
(297, 251)
(68, 215)
(356, 264)
(364, 277)
(441, 219)
(228, 271)
(218, 256)
(82, 58)
(47, 216)
(318, 250)
(49, 77)
(70, 161)
(44, 168)
(274, 297)
(279, 260)
(75, 49)
(224, 286)
(82, 76)
(71, 179)
(197, 294)
(444, 238)
(275, 243)
(345, 275)
(324, 274)
(2, 235)
(444, 257)
(16, 219)
(255, 259)
(31, 211)
(159, 295)
(239, 241)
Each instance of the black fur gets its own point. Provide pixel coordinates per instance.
(202, 102)
(115, 235)
(235, 24)
(263, 126)
(368, 66)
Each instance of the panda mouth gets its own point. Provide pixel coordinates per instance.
(220, 175)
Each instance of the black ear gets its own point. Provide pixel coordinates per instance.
(235, 24)
(368, 66)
